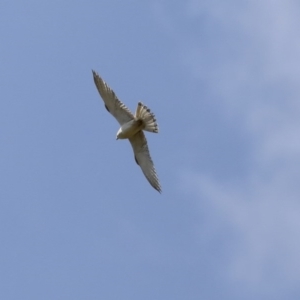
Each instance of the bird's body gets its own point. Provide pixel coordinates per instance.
(132, 127)
(129, 129)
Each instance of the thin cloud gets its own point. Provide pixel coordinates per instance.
(257, 76)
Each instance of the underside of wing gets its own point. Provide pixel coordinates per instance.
(111, 101)
(143, 159)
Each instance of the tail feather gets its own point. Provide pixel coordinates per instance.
(138, 110)
(144, 113)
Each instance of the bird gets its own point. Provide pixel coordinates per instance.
(132, 128)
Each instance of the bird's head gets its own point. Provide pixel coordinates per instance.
(119, 134)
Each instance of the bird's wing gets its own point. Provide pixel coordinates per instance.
(143, 158)
(111, 101)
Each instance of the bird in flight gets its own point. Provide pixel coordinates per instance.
(132, 127)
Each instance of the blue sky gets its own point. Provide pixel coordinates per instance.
(77, 218)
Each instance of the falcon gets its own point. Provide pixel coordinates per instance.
(132, 128)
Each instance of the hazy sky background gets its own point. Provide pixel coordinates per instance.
(78, 220)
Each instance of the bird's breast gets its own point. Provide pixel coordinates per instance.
(129, 129)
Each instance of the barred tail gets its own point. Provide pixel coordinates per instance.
(144, 113)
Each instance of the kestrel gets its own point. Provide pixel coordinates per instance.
(132, 127)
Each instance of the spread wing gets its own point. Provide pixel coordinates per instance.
(143, 159)
(111, 101)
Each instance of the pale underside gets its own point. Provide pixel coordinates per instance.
(138, 140)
